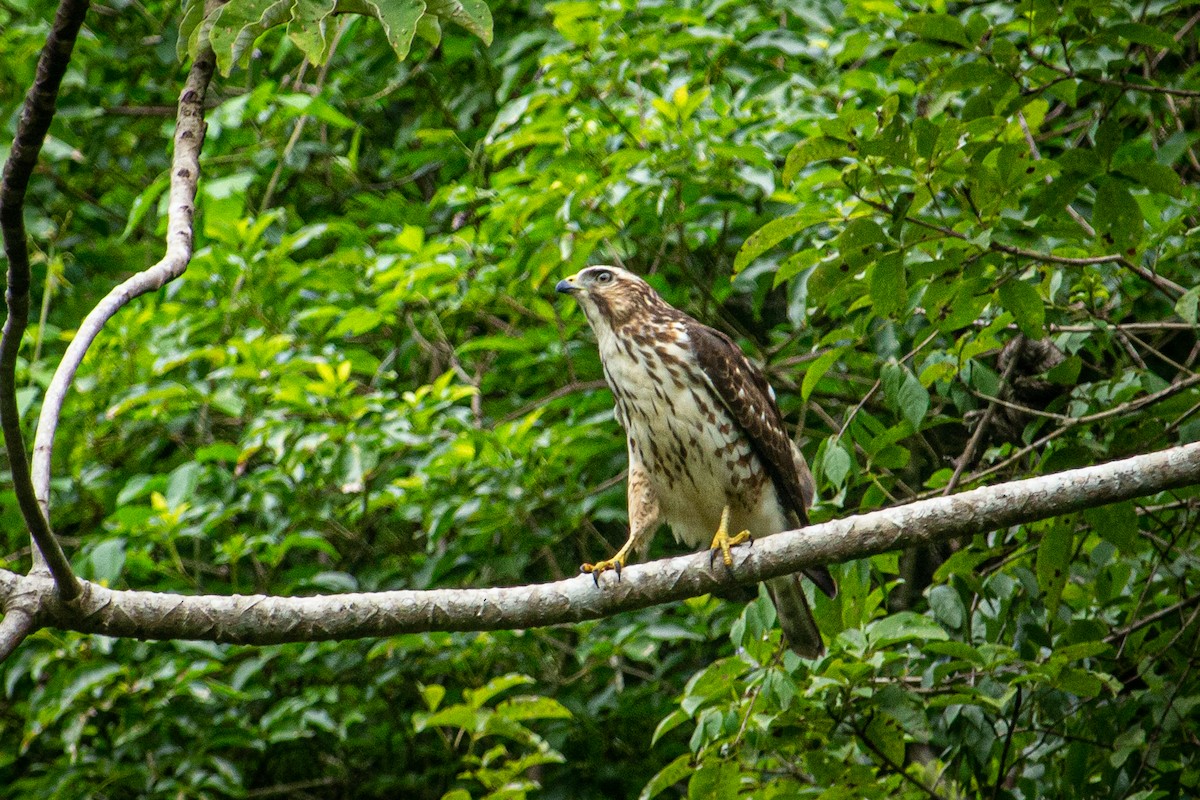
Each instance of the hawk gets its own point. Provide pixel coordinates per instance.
(708, 450)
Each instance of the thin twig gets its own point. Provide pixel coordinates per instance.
(968, 454)
(36, 116)
(185, 171)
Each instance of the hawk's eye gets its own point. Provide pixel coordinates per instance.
(603, 276)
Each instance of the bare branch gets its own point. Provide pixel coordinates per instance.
(185, 171)
(266, 620)
(36, 116)
(16, 625)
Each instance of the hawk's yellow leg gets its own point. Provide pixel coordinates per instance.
(722, 541)
(616, 563)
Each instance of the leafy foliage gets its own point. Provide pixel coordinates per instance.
(963, 240)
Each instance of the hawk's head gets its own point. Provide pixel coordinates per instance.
(610, 296)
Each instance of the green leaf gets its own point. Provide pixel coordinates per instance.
(835, 465)
(889, 291)
(1186, 306)
(1116, 524)
(399, 20)
(938, 27)
(107, 561)
(1053, 563)
(668, 776)
(904, 626)
(818, 148)
(239, 23)
(668, 724)
(859, 242)
(193, 15)
(887, 736)
(817, 369)
(476, 698)
(775, 232)
(1025, 303)
(1155, 177)
(947, 606)
(715, 780)
(1139, 33)
(474, 15)
(307, 28)
(1117, 217)
(526, 708)
(456, 716)
(905, 393)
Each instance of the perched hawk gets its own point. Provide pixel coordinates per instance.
(708, 450)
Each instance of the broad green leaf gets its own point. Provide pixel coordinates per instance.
(1117, 524)
(775, 232)
(477, 698)
(817, 369)
(143, 203)
(474, 15)
(905, 393)
(835, 465)
(860, 242)
(399, 19)
(193, 15)
(947, 606)
(522, 709)
(1186, 306)
(1139, 33)
(904, 626)
(1025, 303)
(668, 724)
(307, 28)
(1154, 176)
(889, 290)
(1053, 562)
(456, 716)
(818, 148)
(939, 27)
(715, 780)
(668, 776)
(1117, 217)
(239, 23)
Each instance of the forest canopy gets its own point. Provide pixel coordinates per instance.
(961, 239)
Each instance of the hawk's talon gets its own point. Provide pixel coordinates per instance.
(615, 564)
(722, 541)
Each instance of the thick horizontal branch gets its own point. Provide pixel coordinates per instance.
(264, 620)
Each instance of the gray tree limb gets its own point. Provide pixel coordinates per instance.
(36, 115)
(264, 620)
(181, 208)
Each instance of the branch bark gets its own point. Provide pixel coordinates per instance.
(36, 115)
(185, 173)
(266, 620)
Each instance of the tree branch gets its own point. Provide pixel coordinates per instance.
(185, 172)
(16, 625)
(36, 116)
(267, 620)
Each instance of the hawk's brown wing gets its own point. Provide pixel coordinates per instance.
(746, 394)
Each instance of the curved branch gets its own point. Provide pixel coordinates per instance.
(185, 172)
(36, 116)
(266, 620)
(16, 625)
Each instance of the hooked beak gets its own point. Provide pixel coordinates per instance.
(567, 286)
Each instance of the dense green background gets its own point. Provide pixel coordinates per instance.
(365, 382)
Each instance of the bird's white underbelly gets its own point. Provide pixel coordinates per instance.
(696, 456)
